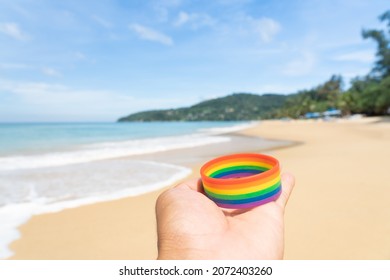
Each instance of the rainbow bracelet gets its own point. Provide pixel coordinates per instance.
(242, 180)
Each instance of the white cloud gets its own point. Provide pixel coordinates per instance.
(32, 91)
(301, 65)
(182, 18)
(14, 66)
(266, 28)
(150, 34)
(13, 30)
(53, 100)
(20, 66)
(51, 72)
(358, 56)
(355, 73)
(80, 55)
(162, 8)
(195, 20)
(103, 22)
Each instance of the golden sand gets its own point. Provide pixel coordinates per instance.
(339, 208)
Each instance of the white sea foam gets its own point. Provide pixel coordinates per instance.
(33, 184)
(41, 194)
(108, 150)
(229, 129)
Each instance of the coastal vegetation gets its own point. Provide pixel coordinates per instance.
(238, 106)
(369, 95)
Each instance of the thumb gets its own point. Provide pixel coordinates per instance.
(288, 182)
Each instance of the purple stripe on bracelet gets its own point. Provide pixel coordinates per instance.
(237, 175)
(252, 204)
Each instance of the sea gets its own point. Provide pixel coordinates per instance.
(48, 167)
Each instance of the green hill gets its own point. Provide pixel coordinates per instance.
(235, 107)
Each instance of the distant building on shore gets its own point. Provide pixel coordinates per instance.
(332, 113)
(327, 114)
(312, 115)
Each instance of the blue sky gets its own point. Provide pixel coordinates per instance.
(99, 60)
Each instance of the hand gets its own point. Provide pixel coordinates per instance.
(191, 226)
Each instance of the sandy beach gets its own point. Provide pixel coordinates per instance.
(338, 210)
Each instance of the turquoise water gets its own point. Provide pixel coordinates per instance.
(21, 138)
(47, 167)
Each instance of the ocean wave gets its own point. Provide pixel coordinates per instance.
(108, 150)
(49, 190)
(228, 129)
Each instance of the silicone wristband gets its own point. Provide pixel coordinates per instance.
(241, 180)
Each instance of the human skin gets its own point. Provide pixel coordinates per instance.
(191, 226)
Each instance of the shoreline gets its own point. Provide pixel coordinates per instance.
(182, 157)
(323, 220)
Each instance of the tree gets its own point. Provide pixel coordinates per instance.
(318, 99)
(367, 95)
(330, 91)
(382, 38)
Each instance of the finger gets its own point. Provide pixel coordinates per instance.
(171, 194)
(288, 182)
(192, 184)
(254, 214)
